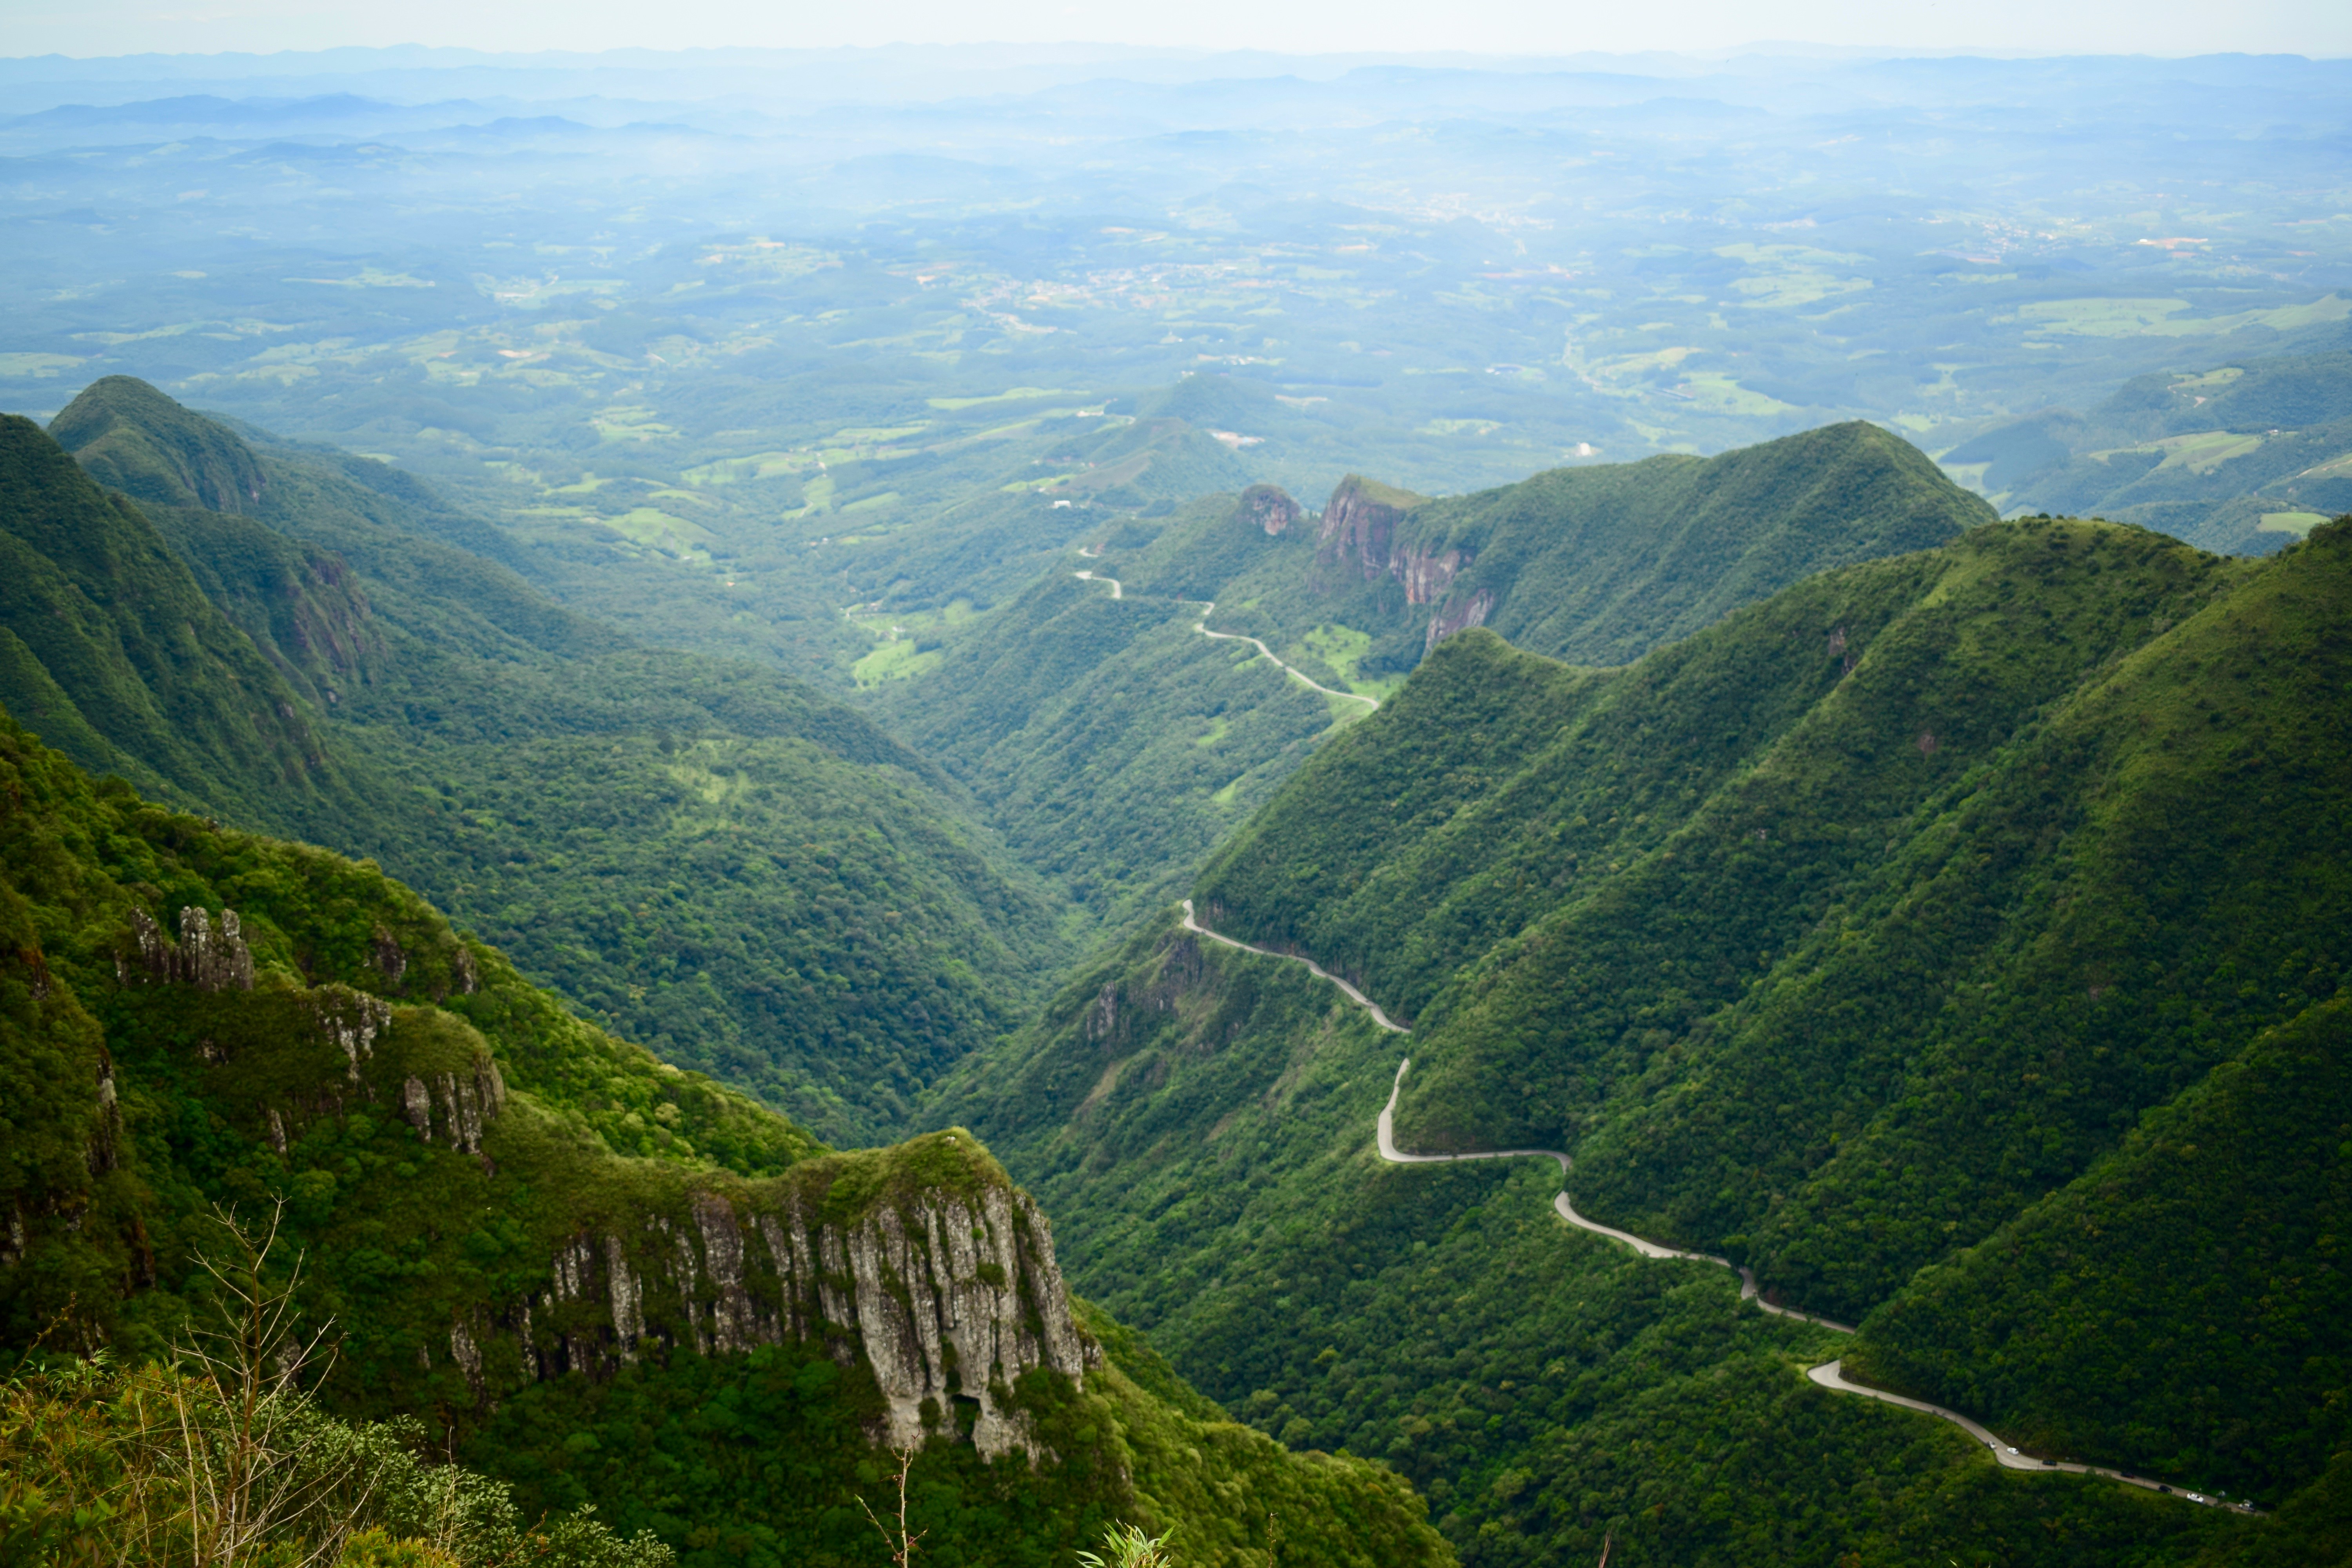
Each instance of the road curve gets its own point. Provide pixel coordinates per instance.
(1357, 997)
(1208, 607)
(1829, 1374)
(1117, 591)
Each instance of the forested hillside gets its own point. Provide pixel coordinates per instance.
(1600, 564)
(587, 1273)
(1855, 934)
(1114, 746)
(730, 866)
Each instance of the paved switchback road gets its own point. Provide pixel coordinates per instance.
(1208, 607)
(1829, 1374)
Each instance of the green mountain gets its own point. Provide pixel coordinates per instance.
(1600, 564)
(108, 643)
(584, 1272)
(2242, 459)
(746, 874)
(1113, 745)
(1951, 938)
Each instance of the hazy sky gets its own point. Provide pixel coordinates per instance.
(1530, 27)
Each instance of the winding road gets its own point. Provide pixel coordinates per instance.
(1829, 1374)
(1208, 607)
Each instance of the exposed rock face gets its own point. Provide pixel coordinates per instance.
(1358, 527)
(389, 960)
(463, 1105)
(1427, 576)
(1270, 508)
(949, 1298)
(1360, 534)
(1458, 617)
(353, 1019)
(207, 958)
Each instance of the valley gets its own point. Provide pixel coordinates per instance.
(1499, 815)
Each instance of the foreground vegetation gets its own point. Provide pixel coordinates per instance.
(491, 1196)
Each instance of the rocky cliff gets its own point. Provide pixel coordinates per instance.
(1270, 508)
(921, 1264)
(947, 1290)
(1358, 527)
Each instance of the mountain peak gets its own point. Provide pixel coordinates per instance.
(133, 438)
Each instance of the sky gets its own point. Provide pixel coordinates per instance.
(97, 27)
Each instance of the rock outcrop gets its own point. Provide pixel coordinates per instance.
(1270, 508)
(207, 957)
(1472, 612)
(451, 1109)
(948, 1293)
(1359, 527)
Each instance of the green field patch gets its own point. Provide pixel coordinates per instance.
(867, 437)
(1014, 395)
(1226, 795)
(370, 277)
(2212, 378)
(631, 425)
(2103, 318)
(758, 466)
(816, 496)
(2200, 453)
(1719, 394)
(2298, 524)
(2162, 318)
(662, 530)
(1786, 290)
(893, 661)
(1218, 730)
(872, 503)
(1341, 647)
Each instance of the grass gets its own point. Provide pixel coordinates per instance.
(893, 661)
(2298, 524)
(1011, 395)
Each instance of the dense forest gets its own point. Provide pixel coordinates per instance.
(1884, 925)
(1113, 746)
(1938, 918)
(528, 1239)
(713, 859)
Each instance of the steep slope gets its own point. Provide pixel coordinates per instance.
(2241, 457)
(1600, 564)
(1113, 744)
(1202, 1122)
(1916, 957)
(1848, 936)
(539, 1240)
(2208, 1239)
(749, 876)
(96, 610)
